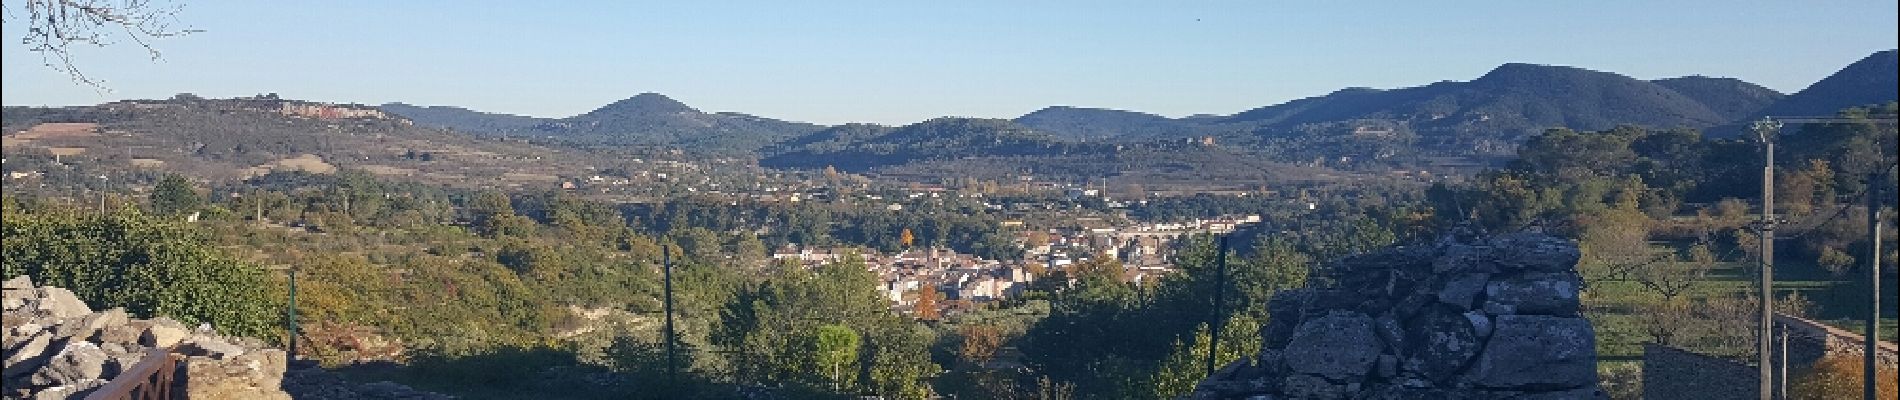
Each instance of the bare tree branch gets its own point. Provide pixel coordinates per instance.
(55, 27)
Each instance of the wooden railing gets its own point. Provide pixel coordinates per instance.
(150, 379)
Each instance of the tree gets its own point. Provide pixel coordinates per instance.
(174, 195)
(1672, 279)
(906, 238)
(150, 266)
(835, 346)
(926, 306)
(980, 343)
(55, 26)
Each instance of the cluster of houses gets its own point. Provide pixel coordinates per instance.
(963, 280)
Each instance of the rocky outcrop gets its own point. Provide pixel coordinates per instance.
(57, 347)
(1469, 317)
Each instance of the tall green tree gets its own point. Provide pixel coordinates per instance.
(175, 195)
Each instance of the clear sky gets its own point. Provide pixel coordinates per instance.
(897, 62)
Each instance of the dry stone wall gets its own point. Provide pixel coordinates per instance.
(58, 348)
(1468, 317)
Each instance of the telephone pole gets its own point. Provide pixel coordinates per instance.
(672, 357)
(1767, 129)
(1220, 291)
(1875, 193)
(1876, 186)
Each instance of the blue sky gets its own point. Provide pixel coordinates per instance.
(900, 62)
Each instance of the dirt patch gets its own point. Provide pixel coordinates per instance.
(307, 163)
(66, 151)
(60, 130)
(386, 170)
(147, 163)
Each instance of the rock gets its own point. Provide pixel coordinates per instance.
(1272, 362)
(1391, 333)
(1302, 386)
(255, 375)
(1458, 257)
(11, 303)
(1462, 292)
(118, 363)
(1288, 305)
(1535, 252)
(21, 282)
(1338, 346)
(1443, 344)
(88, 325)
(28, 356)
(1480, 324)
(77, 362)
(214, 348)
(1495, 308)
(1388, 366)
(1468, 317)
(1537, 294)
(123, 335)
(72, 391)
(161, 334)
(1535, 352)
(60, 303)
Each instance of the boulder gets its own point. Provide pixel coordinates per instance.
(1302, 386)
(1533, 251)
(126, 335)
(1339, 346)
(1537, 294)
(1537, 352)
(215, 348)
(84, 327)
(77, 362)
(163, 334)
(59, 303)
(28, 355)
(254, 375)
(21, 282)
(71, 391)
(1462, 291)
(1443, 344)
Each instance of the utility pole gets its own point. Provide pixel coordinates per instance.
(1876, 184)
(1220, 291)
(672, 358)
(290, 319)
(1767, 129)
(1875, 189)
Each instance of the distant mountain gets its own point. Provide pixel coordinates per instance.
(1872, 80)
(465, 120)
(1512, 100)
(1733, 99)
(858, 147)
(645, 119)
(1076, 123)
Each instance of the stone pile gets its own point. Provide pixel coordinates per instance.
(58, 348)
(1469, 317)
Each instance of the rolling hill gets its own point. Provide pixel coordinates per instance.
(1872, 80)
(1095, 124)
(644, 119)
(1731, 98)
(859, 147)
(1512, 100)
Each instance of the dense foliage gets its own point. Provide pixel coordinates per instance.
(151, 265)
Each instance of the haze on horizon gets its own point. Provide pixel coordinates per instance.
(899, 63)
